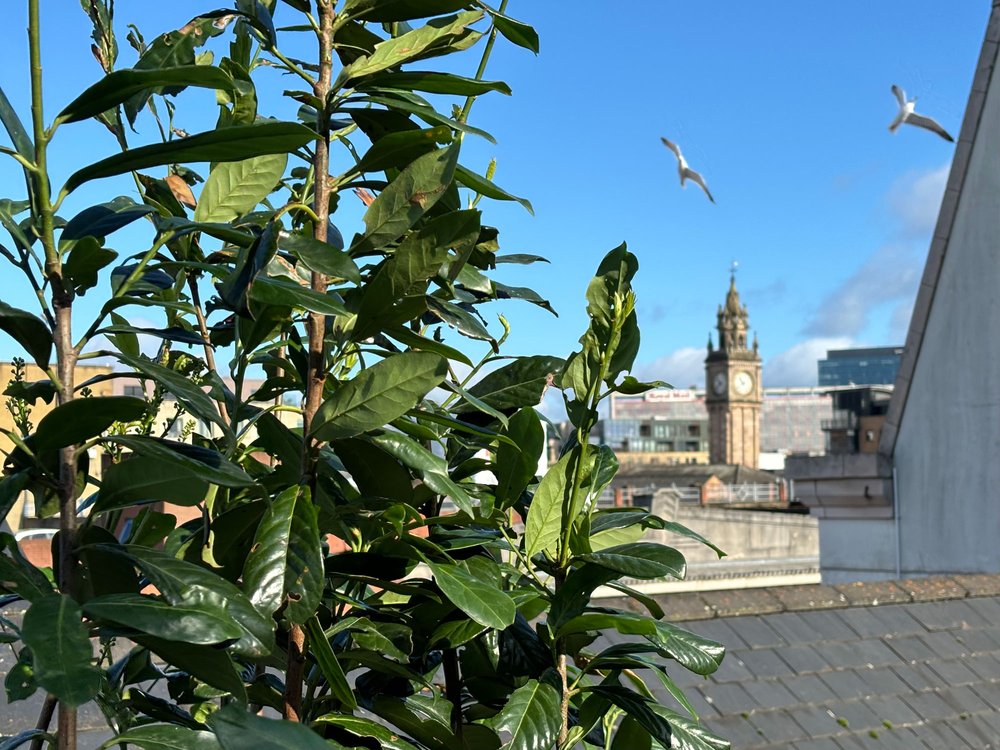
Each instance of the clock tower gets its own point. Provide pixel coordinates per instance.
(733, 391)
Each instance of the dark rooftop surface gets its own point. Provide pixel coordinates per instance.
(903, 664)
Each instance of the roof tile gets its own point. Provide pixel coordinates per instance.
(872, 593)
(932, 589)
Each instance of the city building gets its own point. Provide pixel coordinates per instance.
(870, 366)
(733, 391)
(926, 501)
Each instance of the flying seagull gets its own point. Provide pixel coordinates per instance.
(685, 172)
(908, 116)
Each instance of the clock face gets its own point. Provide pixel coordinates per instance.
(743, 383)
(719, 383)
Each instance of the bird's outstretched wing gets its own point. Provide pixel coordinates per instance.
(697, 179)
(900, 95)
(672, 146)
(929, 124)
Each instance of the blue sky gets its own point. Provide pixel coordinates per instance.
(783, 106)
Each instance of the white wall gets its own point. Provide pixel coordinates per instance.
(947, 454)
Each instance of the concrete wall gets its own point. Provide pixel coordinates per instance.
(947, 452)
(857, 549)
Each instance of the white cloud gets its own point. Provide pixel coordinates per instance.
(681, 368)
(915, 199)
(797, 366)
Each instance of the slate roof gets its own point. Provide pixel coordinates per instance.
(692, 474)
(905, 664)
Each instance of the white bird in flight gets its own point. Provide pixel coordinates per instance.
(685, 172)
(908, 116)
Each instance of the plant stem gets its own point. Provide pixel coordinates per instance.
(203, 330)
(453, 690)
(62, 304)
(44, 719)
(481, 71)
(315, 327)
(564, 701)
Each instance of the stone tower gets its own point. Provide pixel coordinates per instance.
(733, 391)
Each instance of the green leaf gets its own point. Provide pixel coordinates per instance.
(378, 394)
(205, 463)
(270, 291)
(688, 734)
(321, 257)
(530, 718)
(400, 10)
(422, 343)
(433, 83)
(481, 185)
(517, 32)
(164, 737)
(179, 581)
(396, 150)
(235, 187)
(239, 730)
(228, 144)
(191, 396)
(200, 624)
(631, 736)
(408, 197)
(640, 560)
(21, 738)
(143, 479)
(285, 562)
(439, 36)
(103, 219)
(63, 658)
(83, 418)
(84, 262)
(543, 529)
(460, 319)
(421, 255)
(480, 600)
(517, 462)
(677, 528)
(117, 87)
(210, 664)
(431, 468)
(359, 726)
(329, 665)
(518, 384)
(29, 331)
(20, 684)
(638, 708)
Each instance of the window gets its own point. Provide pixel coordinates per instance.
(135, 391)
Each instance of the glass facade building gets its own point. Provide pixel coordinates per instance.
(873, 366)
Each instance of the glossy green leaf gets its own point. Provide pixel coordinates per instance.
(400, 10)
(179, 581)
(689, 734)
(479, 184)
(517, 464)
(422, 343)
(433, 83)
(360, 726)
(480, 600)
(250, 264)
(84, 262)
(637, 707)
(320, 256)
(270, 291)
(431, 468)
(408, 197)
(518, 384)
(677, 528)
(200, 624)
(631, 736)
(104, 219)
(22, 738)
(543, 528)
(228, 144)
(285, 563)
(197, 402)
(238, 730)
(204, 463)
(438, 36)
(235, 187)
(516, 31)
(164, 737)
(396, 150)
(83, 418)
(640, 560)
(531, 717)
(142, 479)
(378, 395)
(574, 595)
(63, 657)
(118, 86)
(15, 129)
(210, 664)
(421, 255)
(459, 318)
(29, 331)
(329, 664)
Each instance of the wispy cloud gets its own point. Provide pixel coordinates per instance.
(797, 366)
(914, 200)
(682, 368)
